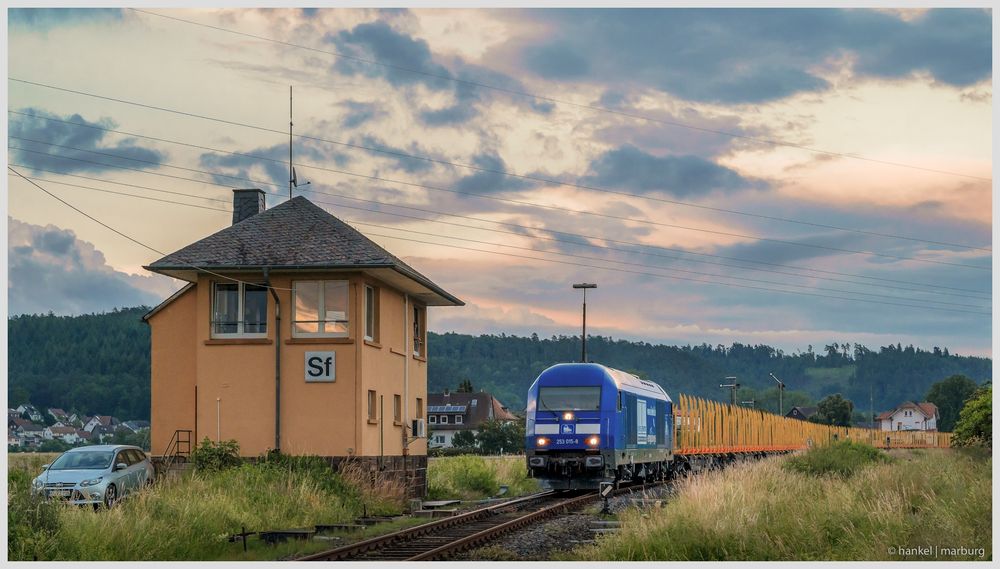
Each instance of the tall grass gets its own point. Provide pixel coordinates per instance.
(190, 517)
(472, 477)
(842, 458)
(765, 511)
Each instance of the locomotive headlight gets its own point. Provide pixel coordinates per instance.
(593, 441)
(567, 416)
(541, 441)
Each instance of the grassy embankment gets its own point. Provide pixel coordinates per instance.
(190, 517)
(850, 502)
(471, 477)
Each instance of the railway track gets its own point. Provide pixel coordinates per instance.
(439, 539)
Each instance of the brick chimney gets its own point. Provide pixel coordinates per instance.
(247, 203)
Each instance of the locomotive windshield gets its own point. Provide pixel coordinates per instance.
(580, 398)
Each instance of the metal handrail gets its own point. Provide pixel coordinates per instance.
(173, 447)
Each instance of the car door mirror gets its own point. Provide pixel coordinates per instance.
(46, 466)
(121, 466)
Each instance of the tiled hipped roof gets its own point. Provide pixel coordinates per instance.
(294, 234)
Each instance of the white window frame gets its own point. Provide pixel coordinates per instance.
(444, 419)
(458, 419)
(240, 306)
(432, 419)
(321, 310)
(419, 330)
(371, 313)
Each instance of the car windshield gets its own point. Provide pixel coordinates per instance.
(84, 460)
(569, 398)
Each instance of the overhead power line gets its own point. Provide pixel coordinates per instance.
(611, 216)
(626, 263)
(614, 269)
(556, 232)
(441, 213)
(129, 237)
(399, 154)
(605, 247)
(540, 237)
(148, 198)
(478, 84)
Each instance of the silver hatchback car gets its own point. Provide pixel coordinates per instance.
(98, 475)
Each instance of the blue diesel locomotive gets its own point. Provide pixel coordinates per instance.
(587, 423)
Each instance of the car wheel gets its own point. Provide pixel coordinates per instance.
(110, 496)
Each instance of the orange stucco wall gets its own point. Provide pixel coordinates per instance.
(172, 365)
(236, 384)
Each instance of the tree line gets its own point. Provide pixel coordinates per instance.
(99, 364)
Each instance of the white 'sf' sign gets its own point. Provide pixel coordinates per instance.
(321, 366)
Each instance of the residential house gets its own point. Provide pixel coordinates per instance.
(102, 434)
(295, 332)
(106, 421)
(12, 414)
(18, 422)
(30, 410)
(58, 414)
(135, 426)
(13, 439)
(31, 433)
(801, 413)
(910, 417)
(448, 413)
(67, 435)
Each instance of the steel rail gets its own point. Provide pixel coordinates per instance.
(355, 549)
(493, 532)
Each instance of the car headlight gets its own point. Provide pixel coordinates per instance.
(37, 483)
(92, 481)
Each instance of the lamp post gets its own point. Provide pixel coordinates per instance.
(584, 286)
(781, 390)
(732, 386)
(751, 403)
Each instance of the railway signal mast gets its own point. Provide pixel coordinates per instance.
(781, 389)
(733, 387)
(584, 286)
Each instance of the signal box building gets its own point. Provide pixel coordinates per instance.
(295, 332)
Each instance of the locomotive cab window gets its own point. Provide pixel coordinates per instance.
(576, 398)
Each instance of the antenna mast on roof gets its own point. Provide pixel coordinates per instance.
(292, 178)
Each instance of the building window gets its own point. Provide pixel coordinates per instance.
(420, 408)
(397, 410)
(372, 416)
(433, 419)
(444, 419)
(371, 313)
(458, 419)
(319, 308)
(239, 310)
(419, 330)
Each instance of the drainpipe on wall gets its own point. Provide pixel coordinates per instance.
(277, 361)
(406, 374)
(406, 392)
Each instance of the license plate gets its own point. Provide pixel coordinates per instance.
(59, 493)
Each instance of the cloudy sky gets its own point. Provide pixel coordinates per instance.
(789, 177)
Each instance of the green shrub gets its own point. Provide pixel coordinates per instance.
(215, 456)
(473, 477)
(975, 421)
(842, 459)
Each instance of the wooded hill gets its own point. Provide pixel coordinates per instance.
(99, 363)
